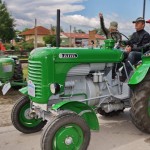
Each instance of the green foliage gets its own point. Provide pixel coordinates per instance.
(7, 25)
(50, 39)
(99, 31)
(25, 29)
(53, 28)
(27, 46)
(7, 46)
(78, 30)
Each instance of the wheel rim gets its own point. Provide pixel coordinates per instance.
(25, 119)
(68, 137)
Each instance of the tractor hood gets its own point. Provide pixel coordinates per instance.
(51, 65)
(79, 55)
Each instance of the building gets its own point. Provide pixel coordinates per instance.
(80, 39)
(67, 39)
(29, 35)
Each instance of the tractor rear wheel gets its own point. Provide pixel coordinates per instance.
(67, 131)
(140, 111)
(21, 119)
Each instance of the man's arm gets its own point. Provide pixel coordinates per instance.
(144, 44)
(130, 41)
(103, 25)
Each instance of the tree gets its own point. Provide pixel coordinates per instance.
(50, 39)
(99, 31)
(7, 25)
(25, 29)
(53, 28)
(78, 30)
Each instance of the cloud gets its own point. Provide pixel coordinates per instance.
(84, 22)
(25, 11)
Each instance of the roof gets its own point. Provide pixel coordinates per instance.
(40, 31)
(81, 35)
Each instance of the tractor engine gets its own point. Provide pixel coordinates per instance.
(92, 81)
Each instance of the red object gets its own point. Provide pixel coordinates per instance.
(148, 21)
(2, 47)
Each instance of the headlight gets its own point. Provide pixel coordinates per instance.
(55, 88)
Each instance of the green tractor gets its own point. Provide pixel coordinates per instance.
(68, 86)
(11, 74)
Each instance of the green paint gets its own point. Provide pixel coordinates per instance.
(69, 131)
(23, 83)
(86, 112)
(46, 66)
(109, 43)
(24, 90)
(140, 72)
(25, 119)
(6, 69)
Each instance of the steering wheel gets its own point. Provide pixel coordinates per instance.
(117, 37)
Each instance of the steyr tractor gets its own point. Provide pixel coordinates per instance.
(11, 74)
(68, 86)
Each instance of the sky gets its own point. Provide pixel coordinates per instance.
(82, 14)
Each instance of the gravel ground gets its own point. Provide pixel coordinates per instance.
(6, 104)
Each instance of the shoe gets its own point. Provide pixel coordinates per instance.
(122, 78)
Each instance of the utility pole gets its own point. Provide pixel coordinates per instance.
(144, 4)
(35, 34)
(70, 36)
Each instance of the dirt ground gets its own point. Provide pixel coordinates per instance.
(6, 104)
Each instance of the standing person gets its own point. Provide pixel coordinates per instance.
(135, 46)
(112, 28)
(2, 47)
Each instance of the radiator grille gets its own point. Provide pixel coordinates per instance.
(35, 75)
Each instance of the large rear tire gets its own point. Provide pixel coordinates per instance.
(140, 111)
(67, 131)
(21, 119)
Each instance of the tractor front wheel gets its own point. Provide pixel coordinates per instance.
(21, 119)
(68, 131)
(140, 111)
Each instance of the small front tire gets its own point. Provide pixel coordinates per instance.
(68, 131)
(21, 119)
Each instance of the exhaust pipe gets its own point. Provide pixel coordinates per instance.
(58, 29)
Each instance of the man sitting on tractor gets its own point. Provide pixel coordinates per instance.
(134, 47)
(112, 28)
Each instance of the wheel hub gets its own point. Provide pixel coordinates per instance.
(68, 140)
(27, 114)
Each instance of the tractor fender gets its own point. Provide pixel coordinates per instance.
(24, 90)
(82, 109)
(139, 74)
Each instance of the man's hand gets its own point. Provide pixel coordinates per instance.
(100, 15)
(128, 48)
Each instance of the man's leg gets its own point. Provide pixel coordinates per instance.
(133, 58)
